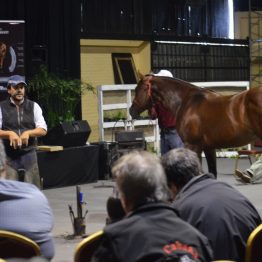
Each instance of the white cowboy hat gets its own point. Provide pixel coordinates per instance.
(164, 72)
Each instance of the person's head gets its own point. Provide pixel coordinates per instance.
(164, 72)
(2, 160)
(140, 179)
(16, 87)
(180, 165)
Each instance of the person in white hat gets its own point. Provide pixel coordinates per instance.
(164, 72)
(169, 138)
(21, 122)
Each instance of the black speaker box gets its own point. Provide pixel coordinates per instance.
(68, 134)
(129, 136)
(107, 155)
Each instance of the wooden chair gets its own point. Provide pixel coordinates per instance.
(13, 245)
(254, 152)
(86, 248)
(223, 261)
(254, 246)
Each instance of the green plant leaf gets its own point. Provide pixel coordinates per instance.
(58, 97)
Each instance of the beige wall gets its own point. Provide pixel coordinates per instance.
(241, 25)
(96, 68)
(242, 32)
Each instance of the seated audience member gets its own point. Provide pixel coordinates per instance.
(215, 208)
(151, 229)
(251, 174)
(25, 210)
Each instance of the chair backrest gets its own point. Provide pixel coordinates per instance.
(86, 248)
(254, 246)
(13, 245)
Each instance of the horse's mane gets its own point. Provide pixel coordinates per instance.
(180, 81)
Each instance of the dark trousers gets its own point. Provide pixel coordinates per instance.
(28, 162)
(170, 140)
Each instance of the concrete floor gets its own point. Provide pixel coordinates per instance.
(96, 194)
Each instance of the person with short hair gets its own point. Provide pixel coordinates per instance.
(24, 209)
(21, 122)
(151, 229)
(215, 208)
(169, 137)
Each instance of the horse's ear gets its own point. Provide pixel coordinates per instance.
(140, 75)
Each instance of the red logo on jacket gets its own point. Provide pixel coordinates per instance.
(178, 246)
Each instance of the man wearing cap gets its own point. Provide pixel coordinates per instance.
(169, 137)
(21, 122)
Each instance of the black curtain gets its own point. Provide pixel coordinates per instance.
(218, 18)
(111, 17)
(107, 18)
(53, 27)
(64, 37)
(52, 32)
(12, 10)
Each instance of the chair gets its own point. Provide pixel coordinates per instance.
(255, 152)
(16, 245)
(254, 246)
(85, 249)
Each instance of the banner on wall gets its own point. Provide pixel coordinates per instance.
(12, 47)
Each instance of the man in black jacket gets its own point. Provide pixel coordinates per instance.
(151, 230)
(215, 208)
(21, 121)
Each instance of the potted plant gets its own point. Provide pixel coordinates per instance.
(58, 97)
(114, 115)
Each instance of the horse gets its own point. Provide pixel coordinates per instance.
(206, 120)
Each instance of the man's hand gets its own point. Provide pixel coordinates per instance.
(15, 140)
(24, 138)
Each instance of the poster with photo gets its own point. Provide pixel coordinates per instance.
(12, 48)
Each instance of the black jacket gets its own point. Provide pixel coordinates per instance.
(153, 232)
(221, 213)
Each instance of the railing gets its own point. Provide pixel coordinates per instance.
(130, 124)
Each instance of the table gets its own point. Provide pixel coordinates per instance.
(71, 166)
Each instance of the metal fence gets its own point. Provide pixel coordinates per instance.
(202, 61)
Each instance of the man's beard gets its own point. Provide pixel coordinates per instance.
(15, 98)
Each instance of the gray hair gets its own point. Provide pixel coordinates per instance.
(181, 165)
(2, 156)
(140, 178)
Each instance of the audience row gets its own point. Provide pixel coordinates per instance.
(163, 209)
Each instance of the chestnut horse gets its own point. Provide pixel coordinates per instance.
(206, 120)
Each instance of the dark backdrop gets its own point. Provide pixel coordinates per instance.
(53, 27)
(52, 33)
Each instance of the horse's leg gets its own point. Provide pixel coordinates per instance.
(198, 150)
(211, 161)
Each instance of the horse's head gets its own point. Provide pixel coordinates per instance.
(143, 97)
